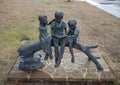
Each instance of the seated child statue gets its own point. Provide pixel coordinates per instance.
(58, 31)
(72, 36)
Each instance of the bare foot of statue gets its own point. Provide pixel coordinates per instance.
(73, 59)
(50, 57)
(46, 57)
(58, 63)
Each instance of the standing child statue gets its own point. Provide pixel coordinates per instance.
(44, 37)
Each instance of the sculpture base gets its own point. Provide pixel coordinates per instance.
(81, 70)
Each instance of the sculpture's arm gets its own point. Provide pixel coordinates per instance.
(51, 21)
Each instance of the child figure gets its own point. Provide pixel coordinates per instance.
(73, 34)
(72, 37)
(58, 29)
(44, 37)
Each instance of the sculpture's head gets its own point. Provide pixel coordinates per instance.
(72, 24)
(58, 15)
(43, 19)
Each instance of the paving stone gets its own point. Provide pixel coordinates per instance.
(82, 69)
(75, 76)
(36, 74)
(49, 70)
(60, 74)
(106, 75)
(90, 76)
(18, 74)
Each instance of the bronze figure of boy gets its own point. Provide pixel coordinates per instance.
(58, 32)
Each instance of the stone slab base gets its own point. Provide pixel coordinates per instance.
(81, 70)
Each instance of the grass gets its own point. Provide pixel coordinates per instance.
(18, 20)
(112, 83)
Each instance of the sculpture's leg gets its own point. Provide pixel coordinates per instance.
(77, 46)
(50, 54)
(62, 47)
(45, 48)
(72, 53)
(69, 44)
(56, 53)
(86, 50)
(49, 49)
(56, 49)
(46, 56)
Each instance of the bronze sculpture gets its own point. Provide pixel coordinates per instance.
(73, 41)
(44, 37)
(57, 30)
(59, 37)
(72, 37)
(28, 60)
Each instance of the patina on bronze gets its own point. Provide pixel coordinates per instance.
(59, 37)
(72, 37)
(44, 37)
